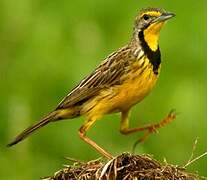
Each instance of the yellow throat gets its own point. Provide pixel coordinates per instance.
(151, 35)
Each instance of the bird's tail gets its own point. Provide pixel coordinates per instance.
(49, 118)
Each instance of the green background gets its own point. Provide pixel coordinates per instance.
(47, 47)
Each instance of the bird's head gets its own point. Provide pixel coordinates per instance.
(150, 21)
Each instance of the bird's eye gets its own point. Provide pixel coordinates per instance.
(146, 17)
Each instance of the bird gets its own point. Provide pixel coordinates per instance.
(122, 80)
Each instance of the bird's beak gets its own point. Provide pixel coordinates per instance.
(165, 16)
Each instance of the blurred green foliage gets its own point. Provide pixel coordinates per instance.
(47, 47)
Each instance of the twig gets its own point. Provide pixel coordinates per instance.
(195, 159)
(192, 153)
(191, 159)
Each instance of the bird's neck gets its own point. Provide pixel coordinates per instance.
(151, 40)
(154, 56)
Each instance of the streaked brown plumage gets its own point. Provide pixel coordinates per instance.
(123, 79)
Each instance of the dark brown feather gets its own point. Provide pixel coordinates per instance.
(51, 117)
(106, 74)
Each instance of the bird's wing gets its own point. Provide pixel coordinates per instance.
(106, 74)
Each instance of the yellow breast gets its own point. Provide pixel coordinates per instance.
(136, 85)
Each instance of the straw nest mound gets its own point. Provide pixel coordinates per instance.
(126, 167)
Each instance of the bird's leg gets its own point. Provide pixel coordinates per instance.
(82, 133)
(124, 128)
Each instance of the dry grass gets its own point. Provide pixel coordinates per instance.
(123, 167)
